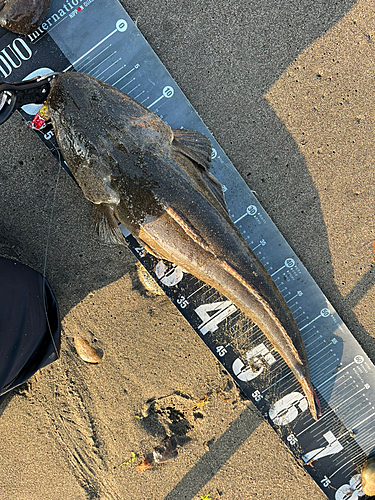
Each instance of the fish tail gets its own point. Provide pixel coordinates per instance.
(281, 330)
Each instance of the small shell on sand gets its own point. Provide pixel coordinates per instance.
(86, 352)
(147, 281)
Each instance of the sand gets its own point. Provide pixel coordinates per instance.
(287, 90)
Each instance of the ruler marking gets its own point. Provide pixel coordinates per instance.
(340, 403)
(326, 381)
(329, 357)
(294, 296)
(134, 88)
(362, 421)
(240, 218)
(318, 352)
(89, 51)
(312, 321)
(318, 362)
(350, 448)
(109, 67)
(367, 444)
(100, 63)
(347, 464)
(129, 82)
(358, 405)
(89, 61)
(336, 471)
(234, 328)
(238, 336)
(308, 340)
(210, 295)
(277, 381)
(295, 303)
(319, 423)
(280, 269)
(113, 74)
(335, 400)
(311, 329)
(316, 339)
(302, 314)
(254, 335)
(299, 308)
(348, 422)
(235, 318)
(157, 100)
(324, 372)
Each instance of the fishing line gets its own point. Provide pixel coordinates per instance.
(46, 256)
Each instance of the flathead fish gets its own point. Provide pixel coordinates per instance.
(135, 169)
(23, 16)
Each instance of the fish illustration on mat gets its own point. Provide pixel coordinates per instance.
(154, 180)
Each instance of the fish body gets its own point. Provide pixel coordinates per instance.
(135, 169)
(23, 16)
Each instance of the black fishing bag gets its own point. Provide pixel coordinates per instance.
(29, 324)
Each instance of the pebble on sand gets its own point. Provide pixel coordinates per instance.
(86, 352)
(147, 281)
(368, 477)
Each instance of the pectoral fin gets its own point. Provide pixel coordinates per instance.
(106, 225)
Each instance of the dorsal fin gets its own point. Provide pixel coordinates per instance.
(197, 147)
(216, 189)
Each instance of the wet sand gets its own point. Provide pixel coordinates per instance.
(287, 90)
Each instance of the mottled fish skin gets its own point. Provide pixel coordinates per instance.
(155, 181)
(23, 16)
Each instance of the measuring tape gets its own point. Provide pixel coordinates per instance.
(113, 50)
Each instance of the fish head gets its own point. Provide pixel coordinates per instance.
(92, 108)
(74, 105)
(74, 102)
(110, 142)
